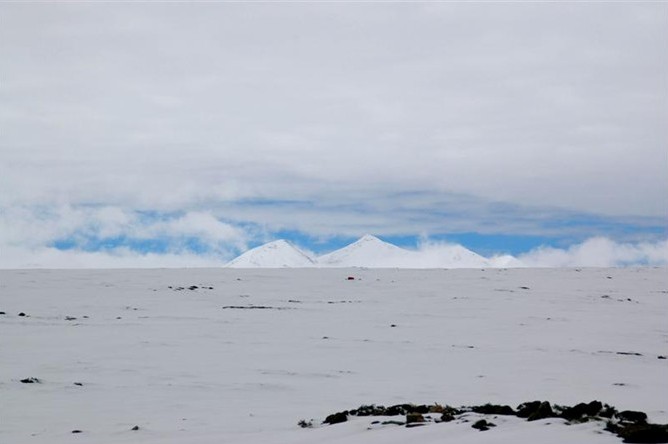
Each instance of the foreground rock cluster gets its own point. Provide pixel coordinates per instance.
(631, 426)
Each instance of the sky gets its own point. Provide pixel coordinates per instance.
(181, 134)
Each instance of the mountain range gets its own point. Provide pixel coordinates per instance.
(368, 252)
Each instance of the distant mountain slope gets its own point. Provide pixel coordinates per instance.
(448, 256)
(369, 252)
(276, 254)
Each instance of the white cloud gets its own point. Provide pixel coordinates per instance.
(45, 257)
(198, 109)
(599, 252)
(200, 225)
(179, 107)
(27, 236)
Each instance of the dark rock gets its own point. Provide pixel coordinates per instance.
(524, 288)
(629, 353)
(2, 313)
(351, 278)
(31, 381)
(526, 409)
(607, 411)
(644, 433)
(658, 357)
(392, 422)
(632, 416)
(422, 408)
(399, 409)
(253, 307)
(393, 325)
(535, 410)
(582, 410)
(70, 318)
(415, 424)
(414, 417)
(193, 287)
(544, 411)
(449, 413)
(336, 418)
(22, 314)
(491, 409)
(135, 428)
(76, 431)
(447, 417)
(79, 384)
(368, 410)
(612, 427)
(483, 425)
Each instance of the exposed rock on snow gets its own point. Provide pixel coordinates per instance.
(630, 425)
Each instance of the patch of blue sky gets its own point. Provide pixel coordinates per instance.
(154, 245)
(316, 244)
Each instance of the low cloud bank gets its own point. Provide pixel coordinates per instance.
(48, 257)
(595, 252)
(112, 237)
(599, 252)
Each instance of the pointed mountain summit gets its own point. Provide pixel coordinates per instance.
(370, 252)
(367, 251)
(276, 254)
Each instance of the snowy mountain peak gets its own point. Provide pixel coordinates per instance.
(368, 238)
(276, 254)
(367, 251)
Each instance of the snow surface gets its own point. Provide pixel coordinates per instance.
(368, 252)
(184, 369)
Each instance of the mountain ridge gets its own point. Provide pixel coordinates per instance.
(368, 252)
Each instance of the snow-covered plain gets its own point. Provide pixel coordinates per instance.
(184, 369)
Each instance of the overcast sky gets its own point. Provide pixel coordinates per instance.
(194, 130)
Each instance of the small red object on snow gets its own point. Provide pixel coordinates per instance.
(351, 278)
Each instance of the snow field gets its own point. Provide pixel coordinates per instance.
(183, 368)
